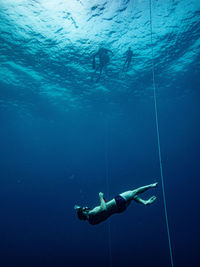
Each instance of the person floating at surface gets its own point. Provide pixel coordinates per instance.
(104, 59)
(116, 205)
(129, 54)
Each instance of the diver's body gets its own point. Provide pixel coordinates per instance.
(104, 59)
(116, 205)
(129, 54)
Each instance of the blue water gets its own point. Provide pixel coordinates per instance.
(64, 138)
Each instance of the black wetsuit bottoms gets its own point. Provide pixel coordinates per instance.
(121, 203)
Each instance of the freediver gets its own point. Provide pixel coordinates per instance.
(129, 54)
(104, 59)
(116, 205)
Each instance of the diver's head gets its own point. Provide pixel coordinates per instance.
(82, 212)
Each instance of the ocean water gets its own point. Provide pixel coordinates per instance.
(66, 135)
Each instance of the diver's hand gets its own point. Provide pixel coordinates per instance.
(100, 194)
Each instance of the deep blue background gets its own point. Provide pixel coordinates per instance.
(48, 166)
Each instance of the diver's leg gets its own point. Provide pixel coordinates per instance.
(93, 74)
(124, 65)
(143, 188)
(100, 72)
(128, 64)
(145, 202)
(130, 195)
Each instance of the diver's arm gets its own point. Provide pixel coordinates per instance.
(102, 202)
(99, 208)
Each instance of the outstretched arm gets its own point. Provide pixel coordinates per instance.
(102, 202)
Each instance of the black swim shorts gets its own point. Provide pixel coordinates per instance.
(121, 203)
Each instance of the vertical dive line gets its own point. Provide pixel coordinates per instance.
(158, 140)
(107, 189)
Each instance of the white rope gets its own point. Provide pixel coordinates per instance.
(158, 140)
(108, 192)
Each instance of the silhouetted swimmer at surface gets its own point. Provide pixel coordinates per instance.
(129, 54)
(116, 205)
(104, 59)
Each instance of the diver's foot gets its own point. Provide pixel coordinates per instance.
(151, 200)
(154, 185)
